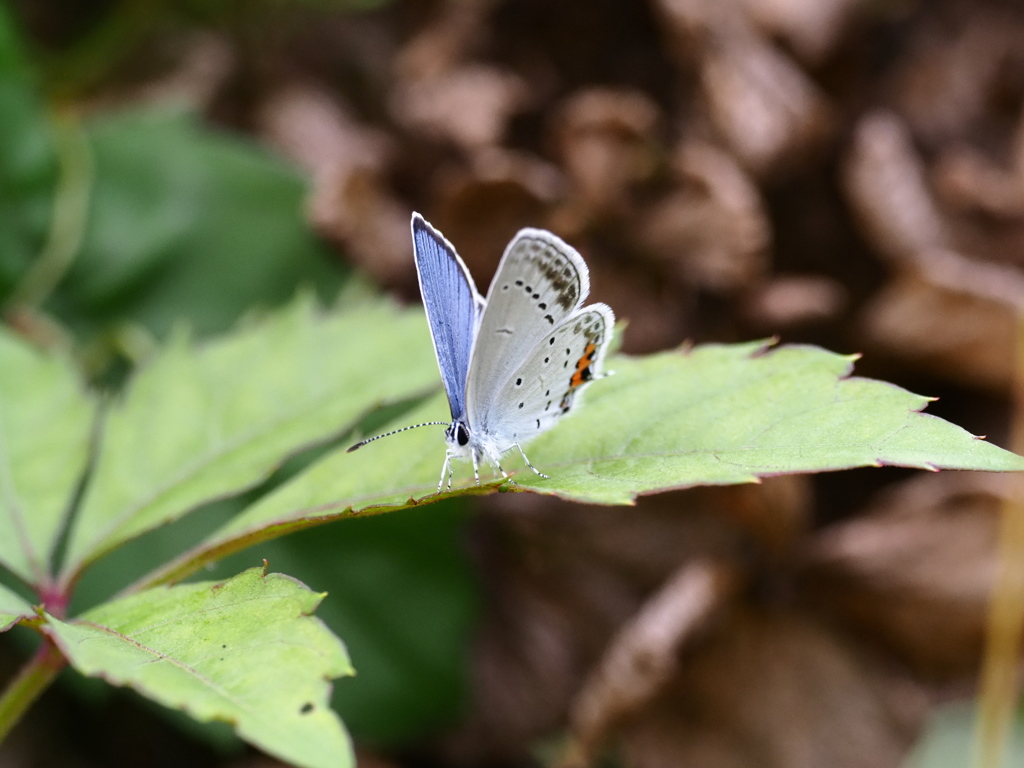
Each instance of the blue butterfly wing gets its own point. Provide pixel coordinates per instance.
(453, 308)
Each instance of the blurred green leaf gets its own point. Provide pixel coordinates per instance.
(715, 415)
(45, 423)
(188, 223)
(12, 609)
(246, 651)
(199, 424)
(403, 596)
(28, 164)
(948, 740)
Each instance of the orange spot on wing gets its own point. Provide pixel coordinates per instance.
(580, 376)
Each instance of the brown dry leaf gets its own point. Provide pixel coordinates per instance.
(445, 42)
(350, 202)
(945, 83)
(564, 579)
(605, 140)
(313, 129)
(884, 181)
(790, 301)
(711, 230)
(953, 316)
(655, 310)
(642, 657)
(770, 689)
(811, 27)
(765, 108)
(969, 181)
(480, 206)
(374, 229)
(916, 571)
(469, 105)
(561, 579)
(440, 93)
(774, 514)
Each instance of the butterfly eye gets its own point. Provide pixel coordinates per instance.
(461, 434)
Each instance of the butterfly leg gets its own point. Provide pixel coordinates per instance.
(495, 460)
(535, 470)
(445, 469)
(476, 467)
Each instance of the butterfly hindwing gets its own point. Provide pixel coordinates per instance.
(546, 384)
(539, 282)
(453, 308)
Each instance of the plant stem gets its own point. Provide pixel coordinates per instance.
(999, 674)
(34, 678)
(70, 214)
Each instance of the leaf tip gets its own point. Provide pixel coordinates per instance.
(764, 347)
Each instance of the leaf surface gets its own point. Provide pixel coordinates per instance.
(202, 423)
(246, 651)
(28, 162)
(12, 609)
(187, 222)
(715, 415)
(45, 423)
(949, 739)
(405, 597)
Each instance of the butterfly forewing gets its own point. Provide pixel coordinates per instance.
(546, 384)
(452, 305)
(539, 282)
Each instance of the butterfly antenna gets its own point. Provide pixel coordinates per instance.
(361, 443)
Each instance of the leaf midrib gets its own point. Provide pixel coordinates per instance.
(190, 470)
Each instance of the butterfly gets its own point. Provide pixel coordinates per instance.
(513, 363)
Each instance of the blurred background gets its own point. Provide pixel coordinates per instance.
(848, 173)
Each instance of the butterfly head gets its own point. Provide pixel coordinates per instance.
(457, 436)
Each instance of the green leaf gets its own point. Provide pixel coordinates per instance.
(949, 739)
(28, 163)
(202, 423)
(188, 222)
(45, 424)
(12, 609)
(715, 415)
(245, 651)
(725, 414)
(405, 599)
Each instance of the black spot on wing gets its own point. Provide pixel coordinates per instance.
(557, 269)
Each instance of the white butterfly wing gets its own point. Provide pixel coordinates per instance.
(549, 380)
(540, 282)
